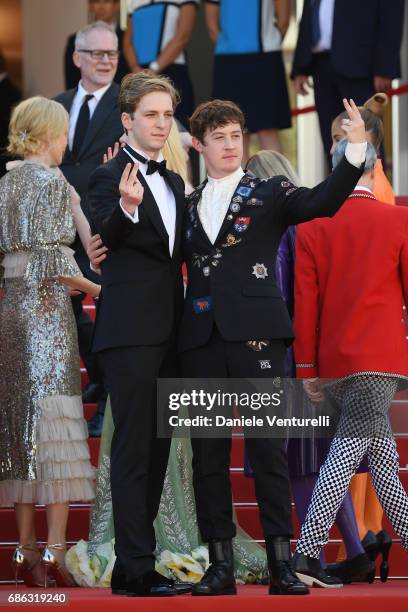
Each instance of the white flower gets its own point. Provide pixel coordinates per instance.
(78, 563)
(183, 567)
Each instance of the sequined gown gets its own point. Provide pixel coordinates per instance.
(44, 456)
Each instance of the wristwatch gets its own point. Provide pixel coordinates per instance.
(154, 66)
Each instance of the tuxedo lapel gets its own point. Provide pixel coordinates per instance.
(67, 99)
(105, 107)
(241, 195)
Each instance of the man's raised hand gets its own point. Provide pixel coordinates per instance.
(131, 190)
(354, 126)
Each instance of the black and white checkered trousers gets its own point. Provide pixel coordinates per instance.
(364, 427)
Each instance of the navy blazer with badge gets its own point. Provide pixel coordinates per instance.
(366, 40)
(142, 287)
(231, 283)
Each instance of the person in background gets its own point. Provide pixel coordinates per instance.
(94, 125)
(350, 347)
(248, 66)
(368, 510)
(371, 112)
(9, 96)
(353, 57)
(156, 37)
(100, 10)
(44, 455)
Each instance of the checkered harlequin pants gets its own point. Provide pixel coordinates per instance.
(363, 427)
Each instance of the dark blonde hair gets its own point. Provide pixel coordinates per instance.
(371, 113)
(213, 114)
(34, 122)
(135, 86)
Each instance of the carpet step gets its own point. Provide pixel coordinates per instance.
(238, 445)
(79, 518)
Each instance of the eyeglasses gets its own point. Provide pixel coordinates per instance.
(99, 54)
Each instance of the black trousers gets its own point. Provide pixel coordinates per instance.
(211, 456)
(138, 458)
(330, 88)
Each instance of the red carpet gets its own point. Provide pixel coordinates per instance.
(365, 598)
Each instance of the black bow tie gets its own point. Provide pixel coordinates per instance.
(152, 165)
(155, 166)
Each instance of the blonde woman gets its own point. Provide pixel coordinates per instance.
(44, 454)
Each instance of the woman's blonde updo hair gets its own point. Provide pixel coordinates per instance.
(33, 123)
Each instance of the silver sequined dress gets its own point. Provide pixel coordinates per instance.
(44, 456)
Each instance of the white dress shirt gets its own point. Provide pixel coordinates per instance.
(76, 107)
(215, 200)
(163, 195)
(217, 194)
(326, 16)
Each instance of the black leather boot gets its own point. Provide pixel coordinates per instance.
(219, 578)
(283, 580)
(309, 570)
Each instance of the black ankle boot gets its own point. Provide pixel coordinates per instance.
(283, 580)
(309, 570)
(219, 578)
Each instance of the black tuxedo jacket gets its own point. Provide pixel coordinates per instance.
(232, 282)
(366, 41)
(142, 287)
(73, 74)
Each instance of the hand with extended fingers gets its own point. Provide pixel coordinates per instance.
(353, 127)
(131, 190)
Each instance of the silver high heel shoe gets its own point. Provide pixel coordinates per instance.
(22, 566)
(58, 570)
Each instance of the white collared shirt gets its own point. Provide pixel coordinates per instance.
(326, 16)
(215, 200)
(76, 107)
(162, 194)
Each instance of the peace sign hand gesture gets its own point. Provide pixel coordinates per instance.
(354, 126)
(130, 188)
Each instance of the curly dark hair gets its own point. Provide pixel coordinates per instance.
(213, 114)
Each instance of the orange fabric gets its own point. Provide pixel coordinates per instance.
(382, 187)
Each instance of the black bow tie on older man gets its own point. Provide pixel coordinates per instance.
(152, 165)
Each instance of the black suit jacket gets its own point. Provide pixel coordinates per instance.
(73, 74)
(366, 41)
(9, 97)
(232, 282)
(142, 288)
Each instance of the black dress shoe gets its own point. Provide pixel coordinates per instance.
(182, 588)
(309, 570)
(357, 569)
(283, 580)
(151, 584)
(219, 578)
(95, 425)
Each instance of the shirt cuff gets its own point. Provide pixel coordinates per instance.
(356, 153)
(306, 370)
(135, 217)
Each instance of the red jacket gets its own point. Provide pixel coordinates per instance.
(351, 276)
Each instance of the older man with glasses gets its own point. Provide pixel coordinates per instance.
(94, 125)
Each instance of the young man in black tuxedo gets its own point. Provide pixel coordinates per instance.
(137, 207)
(235, 323)
(232, 228)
